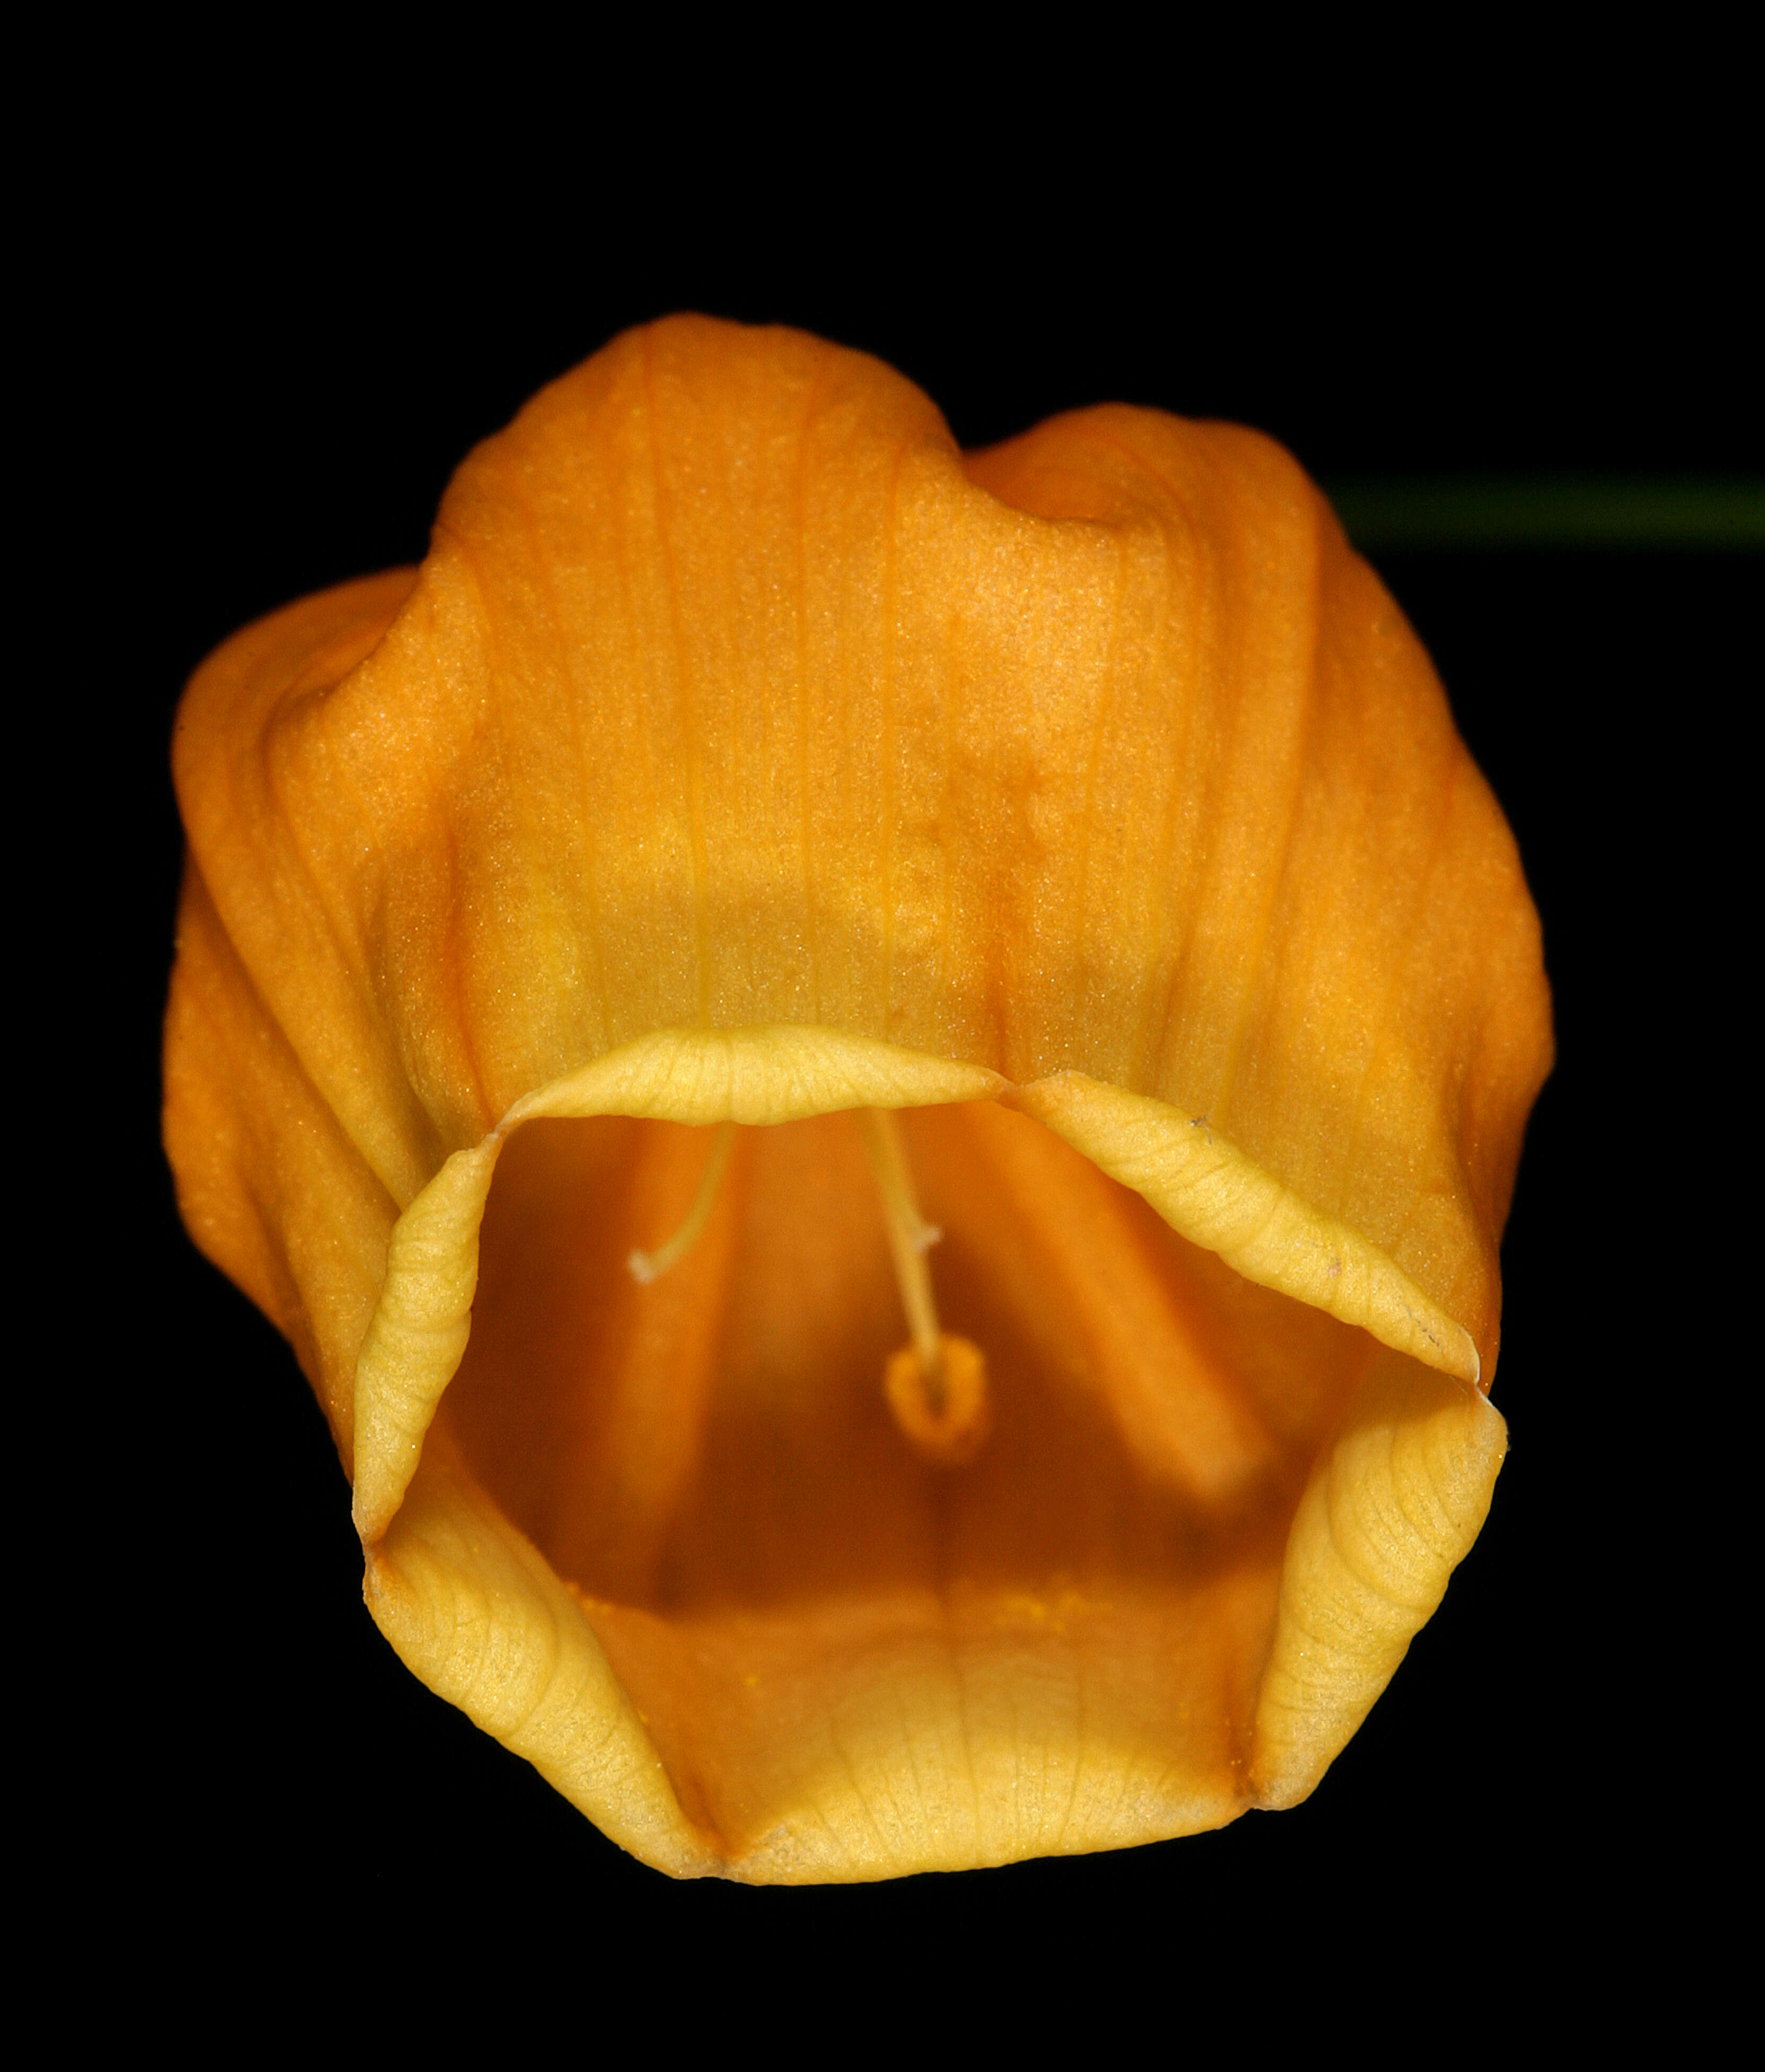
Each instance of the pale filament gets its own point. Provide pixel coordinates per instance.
(647, 1266)
(935, 1387)
(910, 1237)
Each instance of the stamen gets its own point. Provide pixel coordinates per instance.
(937, 1386)
(647, 1266)
(910, 1237)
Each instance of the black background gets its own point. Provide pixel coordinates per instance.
(273, 396)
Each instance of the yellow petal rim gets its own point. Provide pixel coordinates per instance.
(1207, 1190)
(1391, 1506)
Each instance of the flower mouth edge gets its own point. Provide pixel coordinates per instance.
(1202, 1186)
(474, 1609)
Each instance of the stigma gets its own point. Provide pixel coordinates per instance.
(935, 1385)
(943, 1410)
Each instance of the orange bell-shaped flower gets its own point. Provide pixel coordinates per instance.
(879, 1089)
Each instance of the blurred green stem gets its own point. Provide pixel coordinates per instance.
(1552, 512)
